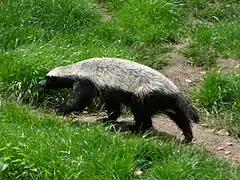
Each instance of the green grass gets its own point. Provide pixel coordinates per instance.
(26, 59)
(159, 21)
(30, 21)
(38, 146)
(214, 11)
(213, 28)
(209, 42)
(22, 69)
(218, 94)
(36, 36)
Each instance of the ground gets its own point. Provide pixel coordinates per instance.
(185, 76)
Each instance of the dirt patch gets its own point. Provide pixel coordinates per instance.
(229, 63)
(221, 145)
(105, 16)
(180, 71)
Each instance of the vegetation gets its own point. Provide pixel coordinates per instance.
(150, 21)
(30, 21)
(210, 42)
(38, 146)
(218, 94)
(216, 33)
(36, 36)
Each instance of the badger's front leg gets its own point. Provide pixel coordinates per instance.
(83, 94)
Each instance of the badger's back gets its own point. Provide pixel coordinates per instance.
(118, 74)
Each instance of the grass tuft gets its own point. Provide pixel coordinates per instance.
(150, 21)
(214, 11)
(218, 94)
(210, 42)
(30, 21)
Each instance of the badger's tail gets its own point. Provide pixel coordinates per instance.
(183, 113)
(185, 106)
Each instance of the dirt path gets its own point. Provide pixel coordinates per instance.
(218, 143)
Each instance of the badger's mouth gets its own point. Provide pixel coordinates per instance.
(43, 83)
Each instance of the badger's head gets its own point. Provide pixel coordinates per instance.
(56, 82)
(58, 78)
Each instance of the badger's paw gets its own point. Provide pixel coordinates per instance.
(62, 109)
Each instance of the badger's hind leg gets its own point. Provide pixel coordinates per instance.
(173, 105)
(83, 94)
(184, 125)
(177, 110)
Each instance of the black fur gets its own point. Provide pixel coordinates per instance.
(173, 105)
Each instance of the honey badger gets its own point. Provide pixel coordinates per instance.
(119, 81)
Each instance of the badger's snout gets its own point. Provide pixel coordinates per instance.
(43, 83)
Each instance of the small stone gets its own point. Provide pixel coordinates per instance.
(220, 148)
(227, 152)
(204, 125)
(85, 112)
(236, 159)
(223, 132)
(188, 80)
(230, 144)
(138, 173)
(210, 130)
